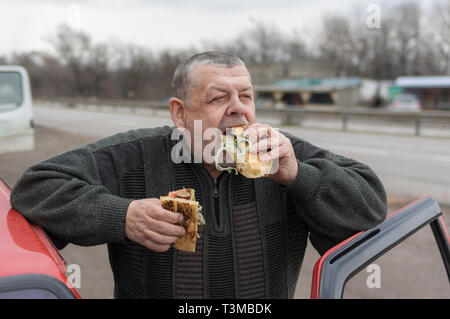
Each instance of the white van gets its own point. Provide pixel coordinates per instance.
(16, 110)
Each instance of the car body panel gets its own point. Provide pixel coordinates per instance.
(25, 247)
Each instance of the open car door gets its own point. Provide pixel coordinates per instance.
(340, 263)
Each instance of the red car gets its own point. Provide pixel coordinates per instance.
(31, 266)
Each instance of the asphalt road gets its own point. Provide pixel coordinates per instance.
(408, 166)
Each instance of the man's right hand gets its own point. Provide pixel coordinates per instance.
(152, 226)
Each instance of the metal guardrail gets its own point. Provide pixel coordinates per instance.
(73, 102)
(292, 116)
(288, 116)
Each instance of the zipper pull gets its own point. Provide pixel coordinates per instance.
(216, 192)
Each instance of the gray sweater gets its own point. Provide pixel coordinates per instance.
(256, 230)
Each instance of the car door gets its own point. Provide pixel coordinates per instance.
(334, 269)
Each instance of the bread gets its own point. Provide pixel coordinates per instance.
(250, 166)
(176, 202)
(247, 164)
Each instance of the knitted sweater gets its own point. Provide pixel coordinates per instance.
(256, 231)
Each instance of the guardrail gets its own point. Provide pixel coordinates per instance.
(288, 116)
(292, 116)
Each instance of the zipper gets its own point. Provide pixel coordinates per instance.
(216, 202)
(216, 191)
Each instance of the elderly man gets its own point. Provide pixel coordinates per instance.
(256, 229)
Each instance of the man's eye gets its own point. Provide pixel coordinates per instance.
(246, 96)
(217, 99)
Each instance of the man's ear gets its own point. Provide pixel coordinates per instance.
(177, 112)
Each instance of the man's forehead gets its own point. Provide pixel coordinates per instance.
(242, 87)
(217, 73)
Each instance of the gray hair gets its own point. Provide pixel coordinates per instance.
(182, 82)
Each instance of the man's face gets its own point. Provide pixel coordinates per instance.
(220, 97)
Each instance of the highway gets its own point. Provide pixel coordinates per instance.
(409, 166)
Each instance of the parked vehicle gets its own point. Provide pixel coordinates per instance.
(30, 265)
(16, 110)
(405, 102)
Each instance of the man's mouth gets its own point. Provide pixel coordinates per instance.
(232, 122)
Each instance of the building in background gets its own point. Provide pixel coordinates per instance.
(433, 92)
(340, 91)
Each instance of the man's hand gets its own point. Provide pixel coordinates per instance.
(152, 226)
(270, 144)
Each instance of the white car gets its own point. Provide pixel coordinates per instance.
(405, 102)
(16, 110)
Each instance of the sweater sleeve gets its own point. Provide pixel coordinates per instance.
(338, 196)
(64, 195)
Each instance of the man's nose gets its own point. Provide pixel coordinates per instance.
(235, 107)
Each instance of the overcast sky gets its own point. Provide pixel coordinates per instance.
(158, 24)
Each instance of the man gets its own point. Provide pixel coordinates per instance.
(256, 231)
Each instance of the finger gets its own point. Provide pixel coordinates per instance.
(251, 133)
(156, 247)
(265, 145)
(158, 238)
(275, 153)
(263, 131)
(155, 201)
(269, 156)
(164, 228)
(165, 215)
(267, 138)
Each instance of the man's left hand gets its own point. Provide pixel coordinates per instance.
(270, 144)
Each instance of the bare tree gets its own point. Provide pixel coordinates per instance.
(161, 77)
(337, 43)
(440, 27)
(98, 67)
(267, 42)
(73, 48)
(262, 43)
(410, 41)
(295, 47)
(133, 66)
(49, 77)
(407, 35)
(404, 45)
